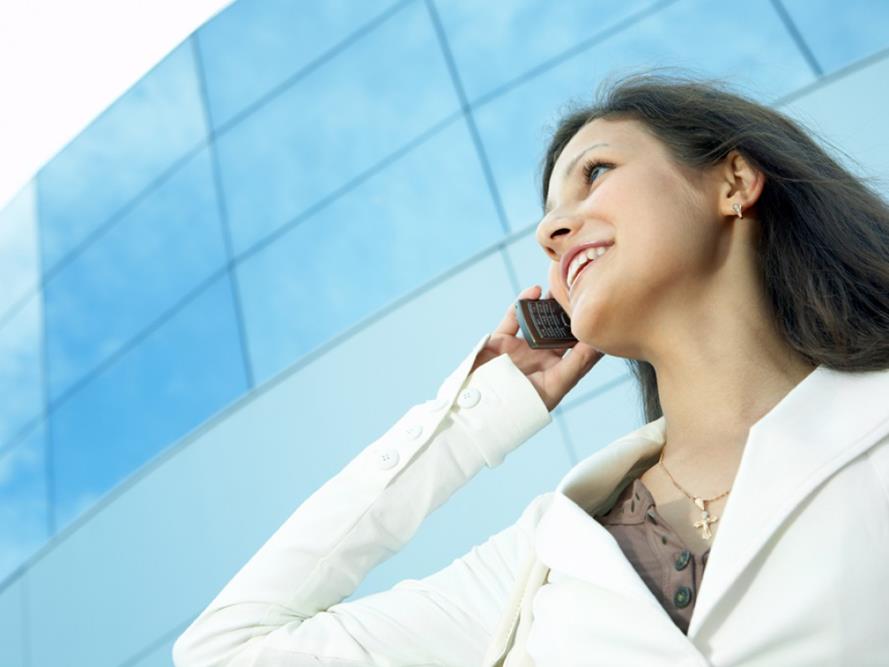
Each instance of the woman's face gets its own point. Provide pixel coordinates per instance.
(662, 219)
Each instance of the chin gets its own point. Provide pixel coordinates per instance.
(593, 331)
(586, 319)
(591, 338)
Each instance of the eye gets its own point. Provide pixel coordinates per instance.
(591, 166)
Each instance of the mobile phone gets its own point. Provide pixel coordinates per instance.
(544, 323)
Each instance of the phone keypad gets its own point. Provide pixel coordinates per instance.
(550, 323)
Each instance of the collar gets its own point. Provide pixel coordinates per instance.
(819, 426)
(632, 507)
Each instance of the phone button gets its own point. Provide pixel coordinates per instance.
(387, 459)
(468, 397)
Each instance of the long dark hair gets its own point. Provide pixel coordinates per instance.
(823, 249)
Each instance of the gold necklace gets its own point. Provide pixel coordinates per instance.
(701, 503)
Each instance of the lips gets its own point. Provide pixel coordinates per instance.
(566, 260)
(582, 270)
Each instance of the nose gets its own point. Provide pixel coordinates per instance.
(555, 233)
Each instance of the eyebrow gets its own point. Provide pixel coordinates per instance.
(571, 165)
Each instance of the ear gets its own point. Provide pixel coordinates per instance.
(739, 183)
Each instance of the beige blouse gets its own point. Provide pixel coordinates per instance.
(670, 570)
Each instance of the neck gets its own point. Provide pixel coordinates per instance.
(711, 398)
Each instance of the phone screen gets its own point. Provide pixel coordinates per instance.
(544, 323)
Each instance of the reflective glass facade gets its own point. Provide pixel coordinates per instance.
(307, 206)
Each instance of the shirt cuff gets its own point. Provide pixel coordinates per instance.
(500, 408)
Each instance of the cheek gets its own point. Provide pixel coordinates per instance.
(660, 229)
(640, 195)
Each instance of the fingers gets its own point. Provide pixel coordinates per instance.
(510, 324)
(575, 364)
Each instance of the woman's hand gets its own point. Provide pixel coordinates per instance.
(552, 372)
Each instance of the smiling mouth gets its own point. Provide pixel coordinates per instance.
(583, 270)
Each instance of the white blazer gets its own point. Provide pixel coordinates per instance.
(798, 573)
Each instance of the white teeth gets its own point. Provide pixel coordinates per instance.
(582, 258)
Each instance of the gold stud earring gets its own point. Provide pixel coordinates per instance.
(737, 208)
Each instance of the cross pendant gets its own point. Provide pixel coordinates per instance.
(706, 520)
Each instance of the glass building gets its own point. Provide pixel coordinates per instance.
(305, 211)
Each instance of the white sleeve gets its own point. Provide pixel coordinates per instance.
(284, 607)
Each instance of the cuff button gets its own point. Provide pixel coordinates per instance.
(387, 459)
(468, 397)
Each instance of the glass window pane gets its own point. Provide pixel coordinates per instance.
(13, 648)
(132, 143)
(19, 261)
(159, 656)
(839, 33)
(176, 378)
(23, 523)
(254, 45)
(849, 113)
(166, 545)
(399, 229)
(494, 42)
(335, 123)
(21, 366)
(615, 412)
(687, 35)
(164, 246)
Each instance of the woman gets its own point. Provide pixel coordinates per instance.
(746, 281)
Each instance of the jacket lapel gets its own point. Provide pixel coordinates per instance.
(569, 540)
(824, 422)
